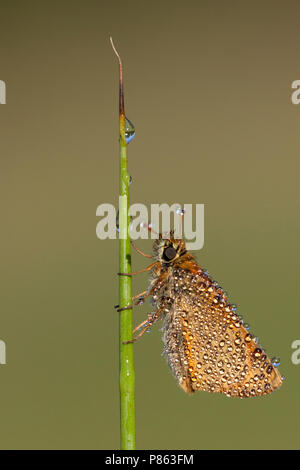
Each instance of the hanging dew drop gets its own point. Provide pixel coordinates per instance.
(130, 180)
(275, 361)
(180, 212)
(129, 130)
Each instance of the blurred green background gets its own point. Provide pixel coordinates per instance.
(208, 86)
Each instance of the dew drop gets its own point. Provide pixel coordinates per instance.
(257, 352)
(248, 338)
(180, 211)
(275, 361)
(129, 130)
(130, 180)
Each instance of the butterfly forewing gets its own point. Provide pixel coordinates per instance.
(206, 344)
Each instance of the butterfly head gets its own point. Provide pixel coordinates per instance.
(167, 249)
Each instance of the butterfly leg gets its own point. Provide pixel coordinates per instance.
(148, 268)
(141, 299)
(139, 251)
(140, 296)
(138, 336)
(145, 325)
(128, 307)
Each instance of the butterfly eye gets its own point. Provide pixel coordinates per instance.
(169, 253)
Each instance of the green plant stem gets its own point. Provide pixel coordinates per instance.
(127, 373)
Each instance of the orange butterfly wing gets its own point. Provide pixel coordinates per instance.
(206, 344)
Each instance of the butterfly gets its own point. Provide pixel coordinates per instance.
(206, 344)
